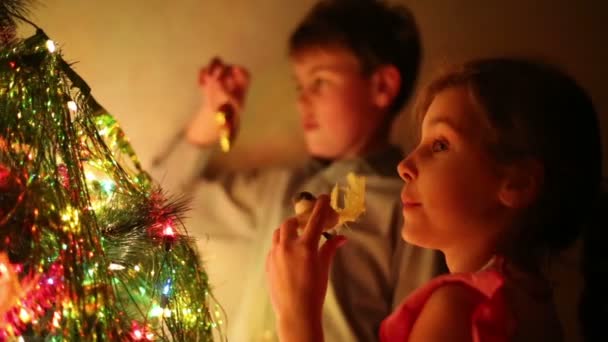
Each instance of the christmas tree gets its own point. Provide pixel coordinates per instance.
(90, 248)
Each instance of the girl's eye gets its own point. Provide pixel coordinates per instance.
(439, 145)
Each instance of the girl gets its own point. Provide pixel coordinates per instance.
(506, 173)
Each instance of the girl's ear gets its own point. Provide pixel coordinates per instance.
(522, 184)
(386, 82)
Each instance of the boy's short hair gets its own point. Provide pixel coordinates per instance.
(375, 32)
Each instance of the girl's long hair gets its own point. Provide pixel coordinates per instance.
(534, 110)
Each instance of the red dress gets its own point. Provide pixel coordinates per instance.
(490, 320)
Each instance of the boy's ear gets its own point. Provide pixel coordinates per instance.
(522, 184)
(386, 82)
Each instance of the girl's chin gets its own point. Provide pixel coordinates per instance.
(413, 237)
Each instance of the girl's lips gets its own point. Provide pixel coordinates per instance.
(409, 204)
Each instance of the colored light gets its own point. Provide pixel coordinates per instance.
(137, 334)
(116, 267)
(168, 231)
(156, 311)
(24, 316)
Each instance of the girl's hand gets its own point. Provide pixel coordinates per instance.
(297, 272)
(219, 84)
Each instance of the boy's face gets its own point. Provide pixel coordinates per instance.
(336, 103)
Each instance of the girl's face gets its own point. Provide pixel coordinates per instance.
(450, 197)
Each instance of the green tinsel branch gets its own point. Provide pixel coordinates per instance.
(107, 249)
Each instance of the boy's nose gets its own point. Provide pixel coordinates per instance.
(303, 103)
(303, 98)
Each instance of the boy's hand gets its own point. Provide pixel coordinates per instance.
(219, 84)
(297, 272)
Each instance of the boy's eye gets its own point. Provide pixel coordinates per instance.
(316, 84)
(439, 145)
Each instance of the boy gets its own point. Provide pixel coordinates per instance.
(355, 64)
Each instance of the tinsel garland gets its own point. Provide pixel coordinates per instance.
(90, 249)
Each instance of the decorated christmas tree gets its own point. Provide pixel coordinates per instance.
(90, 248)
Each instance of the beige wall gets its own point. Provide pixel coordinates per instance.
(141, 57)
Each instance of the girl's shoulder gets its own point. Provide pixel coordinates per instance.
(470, 303)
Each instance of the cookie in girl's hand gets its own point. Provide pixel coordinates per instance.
(303, 205)
(353, 205)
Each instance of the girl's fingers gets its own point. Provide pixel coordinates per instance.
(289, 230)
(329, 249)
(314, 227)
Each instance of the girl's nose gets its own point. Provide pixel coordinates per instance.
(407, 168)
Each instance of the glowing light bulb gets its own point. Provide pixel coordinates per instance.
(56, 319)
(50, 45)
(168, 231)
(156, 311)
(72, 106)
(24, 316)
(116, 267)
(137, 334)
(3, 269)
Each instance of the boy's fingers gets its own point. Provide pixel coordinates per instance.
(219, 72)
(314, 226)
(214, 64)
(241, 75)
(218, 69)
(275, 236)
(235, 80)
(228, 84)
(202, 73)
(209, 69)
